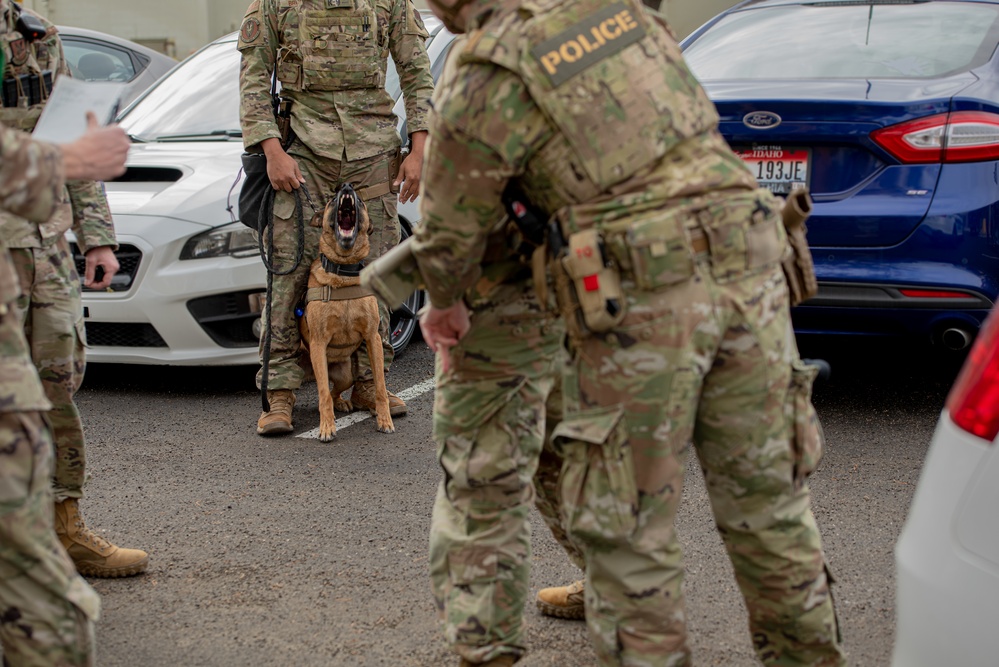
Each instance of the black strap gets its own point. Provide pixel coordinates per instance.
(346, 270)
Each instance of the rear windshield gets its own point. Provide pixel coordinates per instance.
(844, 40)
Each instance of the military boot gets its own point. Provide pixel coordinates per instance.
(506, 660)
(93, 555)
(363, 398)
(563, 601)
(278, 420)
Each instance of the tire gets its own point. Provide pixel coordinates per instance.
(403, 325)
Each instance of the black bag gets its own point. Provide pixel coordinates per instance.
(251, 194)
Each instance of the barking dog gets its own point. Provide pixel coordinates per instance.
(339, 314)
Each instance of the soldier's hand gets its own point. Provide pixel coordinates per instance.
(411, 169)
(98, 155)
(282, 169)
(409, 178)
(102, 257)
(442, 329)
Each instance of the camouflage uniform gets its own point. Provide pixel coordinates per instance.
(50, 304)
(494, 411)
(46, 609)
(589, 106)
(330, 58)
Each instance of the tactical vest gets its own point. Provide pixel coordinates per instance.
(27, 78)
(27, 65)
(330, 45)
(591, 65)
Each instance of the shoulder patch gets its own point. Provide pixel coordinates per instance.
(250, 32)
(586, 43)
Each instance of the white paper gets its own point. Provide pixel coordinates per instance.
(64, 117)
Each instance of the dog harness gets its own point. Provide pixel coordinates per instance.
(328, 293)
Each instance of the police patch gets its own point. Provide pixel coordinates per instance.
(250, 29)
(598, 36)
(18, 52)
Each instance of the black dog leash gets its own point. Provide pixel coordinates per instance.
(266, 214)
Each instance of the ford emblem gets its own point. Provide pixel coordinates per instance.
(761, 120)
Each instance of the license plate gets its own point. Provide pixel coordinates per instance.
(776, 168)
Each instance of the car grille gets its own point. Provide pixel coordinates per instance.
(129, 258)
(128, 334)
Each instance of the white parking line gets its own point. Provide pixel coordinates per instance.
(355, 417)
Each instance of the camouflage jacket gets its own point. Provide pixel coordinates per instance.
(83, 205)
(30, 177)
(30, 184)
(307, 44)
(587, 104)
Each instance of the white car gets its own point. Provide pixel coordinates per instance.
(190, 287)
(947, 557)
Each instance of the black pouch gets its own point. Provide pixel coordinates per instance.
(251, 195)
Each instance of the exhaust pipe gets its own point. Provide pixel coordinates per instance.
(956, 338)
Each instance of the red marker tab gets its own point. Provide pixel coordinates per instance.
(591, 283)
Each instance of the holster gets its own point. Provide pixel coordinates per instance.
(799, 269)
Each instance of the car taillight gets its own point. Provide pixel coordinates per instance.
(962, 136)
(973, 402)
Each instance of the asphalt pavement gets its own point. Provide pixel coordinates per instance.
(289, 551)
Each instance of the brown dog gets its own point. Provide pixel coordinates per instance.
(338, 315)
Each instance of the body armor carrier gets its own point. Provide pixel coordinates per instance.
(330, 45)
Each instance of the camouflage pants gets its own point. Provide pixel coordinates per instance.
(322, 176)
(46, 609)
(493, 414)
(52, 314)
(713, 362)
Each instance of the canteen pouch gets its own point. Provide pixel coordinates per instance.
(597, 484)
(597, 286)
(806, 431)
(799, 270)
(251, 193)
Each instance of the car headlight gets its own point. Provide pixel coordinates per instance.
(233, 240)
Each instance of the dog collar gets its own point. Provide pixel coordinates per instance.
(349, 270)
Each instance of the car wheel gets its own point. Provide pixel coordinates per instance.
(403, 325)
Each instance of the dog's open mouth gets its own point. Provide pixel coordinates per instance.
(347, 216)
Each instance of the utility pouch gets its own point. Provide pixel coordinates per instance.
(251, 193)
(806, 435)
(799, 270)
(597, 286)
(282, 117)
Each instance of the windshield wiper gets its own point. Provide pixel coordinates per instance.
(216, 135)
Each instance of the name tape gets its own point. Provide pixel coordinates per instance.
(588, 42)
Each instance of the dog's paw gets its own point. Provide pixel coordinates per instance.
(326, 432)
(385, 425)
(343, 405)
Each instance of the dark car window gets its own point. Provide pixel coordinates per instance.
(200, 97)
(832, 40)
(98, 62)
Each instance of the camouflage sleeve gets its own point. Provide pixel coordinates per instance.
(407, 43)
(31, 177)
(258, 40)
(92, 221)
(483, 131)
(460, 204)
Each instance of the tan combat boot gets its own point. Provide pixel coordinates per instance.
(563, 601)
(502, 661)
(363, 398)
(93, 555)
(278, 420)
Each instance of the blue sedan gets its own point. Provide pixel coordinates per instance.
(888, 112)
